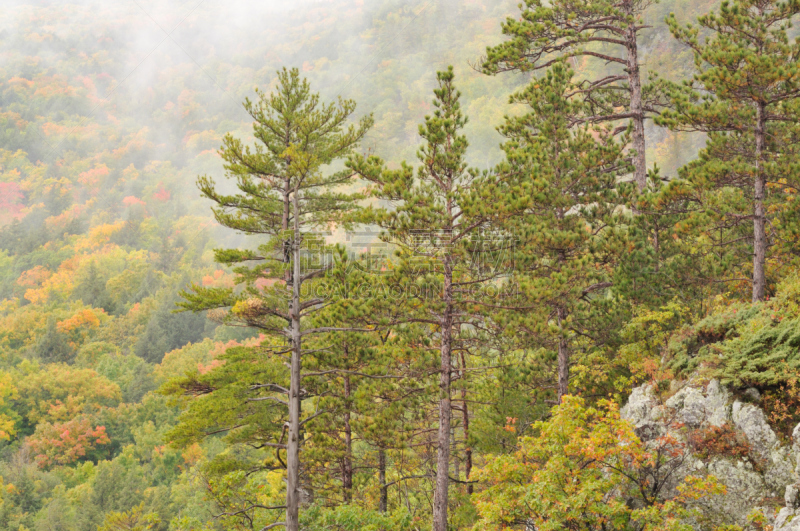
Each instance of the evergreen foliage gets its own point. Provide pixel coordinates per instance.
(91, 290)
(664, 258)
(470, 376)
(563, 181)
(286, 193)
(167, 330)
(548, 33)
(436, 222)
(744, 346)
(54, 347)
(745, 96)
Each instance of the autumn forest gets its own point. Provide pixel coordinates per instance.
(400, 265)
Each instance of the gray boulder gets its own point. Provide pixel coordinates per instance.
(770, 471)
(788, 518)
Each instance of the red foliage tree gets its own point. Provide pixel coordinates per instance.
(66, 442)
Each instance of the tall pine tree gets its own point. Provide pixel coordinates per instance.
(603, 30)
(745, 96)
(285, 193)
(562, 179)
(436, 220)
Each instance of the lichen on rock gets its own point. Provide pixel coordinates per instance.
(730, 439)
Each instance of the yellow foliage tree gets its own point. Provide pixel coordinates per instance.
(7, 419)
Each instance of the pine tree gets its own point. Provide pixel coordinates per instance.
(437, 220)
(54, 347)
(284, 195)
(604, 30)
(91, 290)
(357, 377)
(745, 96)
(661, 263)
(167, 330)
(563, 181)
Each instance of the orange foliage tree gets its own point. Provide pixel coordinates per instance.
(66, 442)
(61, 393)
(580, 471)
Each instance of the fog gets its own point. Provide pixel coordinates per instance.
(153, 86)
(109, 113)
(206, 56)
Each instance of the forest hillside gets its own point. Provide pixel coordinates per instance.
(463, 219)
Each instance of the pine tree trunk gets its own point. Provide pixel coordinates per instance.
(287, 247)
(293, 444)
(445, 412)
(635, 87)
(384, 501)
(656, 247)
(465, 413)
(563, 360)
(759, 214)
(347, 462)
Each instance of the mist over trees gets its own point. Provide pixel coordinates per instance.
(386, 264)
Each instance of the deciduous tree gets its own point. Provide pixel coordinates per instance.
(585, 469)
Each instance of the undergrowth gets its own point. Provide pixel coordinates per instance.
(744, 345)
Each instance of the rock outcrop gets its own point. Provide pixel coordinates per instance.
(761, 472)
